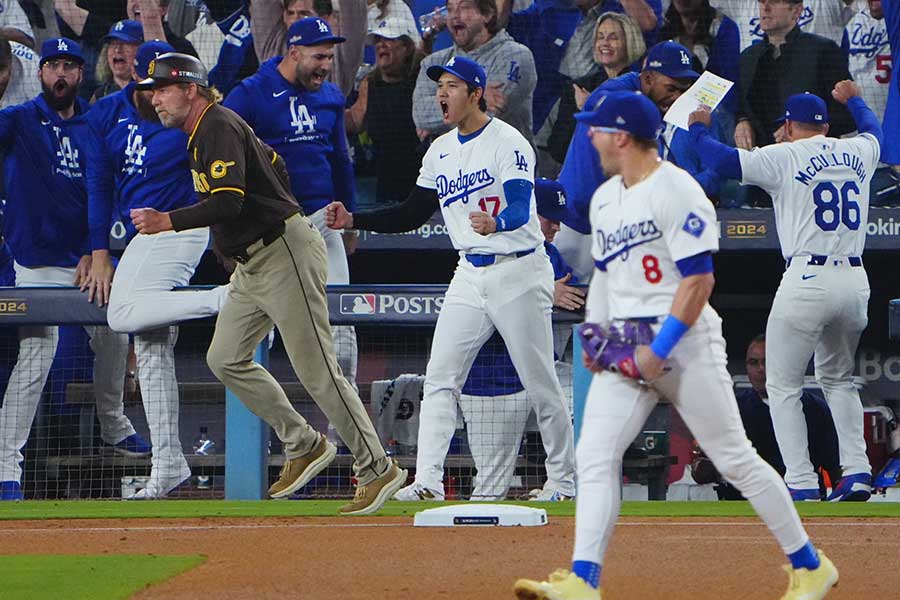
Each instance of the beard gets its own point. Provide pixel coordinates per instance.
(314, 79)
(60, 95)
(145, 108)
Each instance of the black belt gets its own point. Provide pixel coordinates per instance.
(242, 256)
(818, 260)
(484, 260)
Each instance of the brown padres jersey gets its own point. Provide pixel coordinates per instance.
(233, 168)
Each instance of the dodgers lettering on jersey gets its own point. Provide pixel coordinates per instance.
(869, 55)
(820, 191)
(641, 232)
(469, 177)
(821, 17)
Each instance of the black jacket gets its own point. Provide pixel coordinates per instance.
(808, 63)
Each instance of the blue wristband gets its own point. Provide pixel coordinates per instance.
(668, 336)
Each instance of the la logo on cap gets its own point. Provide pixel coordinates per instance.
(120, 26)
(62, 45)
(322, 26)
(451, 61)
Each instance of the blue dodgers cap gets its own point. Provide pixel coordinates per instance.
(61, 47)
(311, 31)
(550, 197)
(126, 31)
(805, 108)
(146, 53)
(459, 66)
(624, 112)
(672, 60)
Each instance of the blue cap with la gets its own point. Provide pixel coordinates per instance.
(550, 197)
(624, 112)
(672, 60)
(127, 30)
(59, 48)
(146, 53)
(805, 108)
(459, 66)
(311, 31)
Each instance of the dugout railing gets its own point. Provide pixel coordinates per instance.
(248, 461)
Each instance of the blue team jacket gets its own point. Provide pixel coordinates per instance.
(133, 164)
(305, 128)
(582, 173)
(45, 220)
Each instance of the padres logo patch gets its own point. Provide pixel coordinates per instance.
(219, 168)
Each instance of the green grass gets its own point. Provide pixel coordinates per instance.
(177, 509)
(77, 577)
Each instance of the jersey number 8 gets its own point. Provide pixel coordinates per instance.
(834, 208)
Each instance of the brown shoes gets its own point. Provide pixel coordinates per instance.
(371, 497)
(297, 472)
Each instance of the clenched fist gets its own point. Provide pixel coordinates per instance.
(337, 217)
(844, 90)
(149, 220)
(482, 222)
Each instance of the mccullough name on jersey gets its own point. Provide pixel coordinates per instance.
(820, 162)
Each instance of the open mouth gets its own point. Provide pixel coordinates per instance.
(60, 86)
(458, 28)
(445, 109)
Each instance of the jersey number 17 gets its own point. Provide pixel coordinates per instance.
(834, 206)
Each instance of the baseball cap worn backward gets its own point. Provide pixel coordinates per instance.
(805, 108)
(459, 66)
(625, 112)
(61, 47)
(146, 53)
(672, 60)
(311, 31)
(391, 28)
(174, 67)
(127, 31)
(550, 197)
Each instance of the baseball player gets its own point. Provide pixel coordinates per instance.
(820, 192)
(45, 224)
(654, 234)
(291, 107)
(137, 162)
(279, 280)
(480, 175)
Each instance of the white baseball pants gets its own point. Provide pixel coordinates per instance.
(700, 388)
(515, 297)
(339, 274)
(37, 347)
(818, 310)
(142, 300)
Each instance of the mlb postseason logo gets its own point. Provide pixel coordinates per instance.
(358, 304)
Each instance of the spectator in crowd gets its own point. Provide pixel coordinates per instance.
(712, 38)
(270, 19)
(136, 12)
(395, 10)
(753, 404)
(136, 163)
(46, 226)
(562, 36)
(14, 24)
(290, 106)
(224, 39)
(508, 64)
(18, 64)
(618, 48)
(869, 54)
(383, 109)
(493, 402)
(787, 61)
(821, 17)
(115, 68)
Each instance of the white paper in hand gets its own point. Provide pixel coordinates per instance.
(708, 90)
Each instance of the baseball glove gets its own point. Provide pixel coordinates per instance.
(612, 349)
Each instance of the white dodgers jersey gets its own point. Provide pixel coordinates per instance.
(820, 191)
(869, 55)
(469, 176)
(821, 17)
(641, 232)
